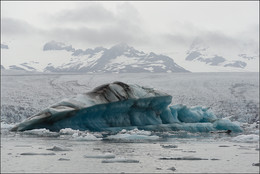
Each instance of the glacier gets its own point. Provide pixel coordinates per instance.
(117, 106)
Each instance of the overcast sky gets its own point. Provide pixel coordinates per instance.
(162, 27)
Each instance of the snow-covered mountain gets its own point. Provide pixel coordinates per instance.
(119, 58)
(215, 58)
(201, 56)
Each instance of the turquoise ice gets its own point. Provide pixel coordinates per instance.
(117, 106)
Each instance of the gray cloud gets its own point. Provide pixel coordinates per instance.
(201, 39)
(219, 40)
(10, 26)
(3, 46)
(53, 45)
(176, 38)
(91, 13)
(109, 35)
(92, 24)
(97, 25)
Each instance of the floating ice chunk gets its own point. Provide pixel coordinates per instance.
(79, 135)
(108, 155)
(68, 131)
(135, 135)
(117, 106)
(41, 133)
(183, 158)
(110, 105)
(120, 160)
(38, 131)
(256, 164)
(64, 159)
(246, 138)
(172, 168)
(96, 148)
(132, 137)
(85, 137)
(32, 153)
(169, 146)
(137, 132)
(223, 146)
(189, 151)
(56, 148)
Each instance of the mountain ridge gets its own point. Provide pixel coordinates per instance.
(120, 58)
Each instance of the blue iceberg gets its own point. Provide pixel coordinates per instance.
(117, 106)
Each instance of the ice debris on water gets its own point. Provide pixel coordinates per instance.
(107, 155)
(189, 151)
(68, 131)
(120, 160)
(85, 137)
(169, 146)
(22, 146)
(256, 164)
(43, 132)
(79, 135)
(182, 158)
(246, 138)
(56, 148)
(117, 106)
(172, 168)
(135, 134)
(64, 159)
(32, 153)
(96, 148)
